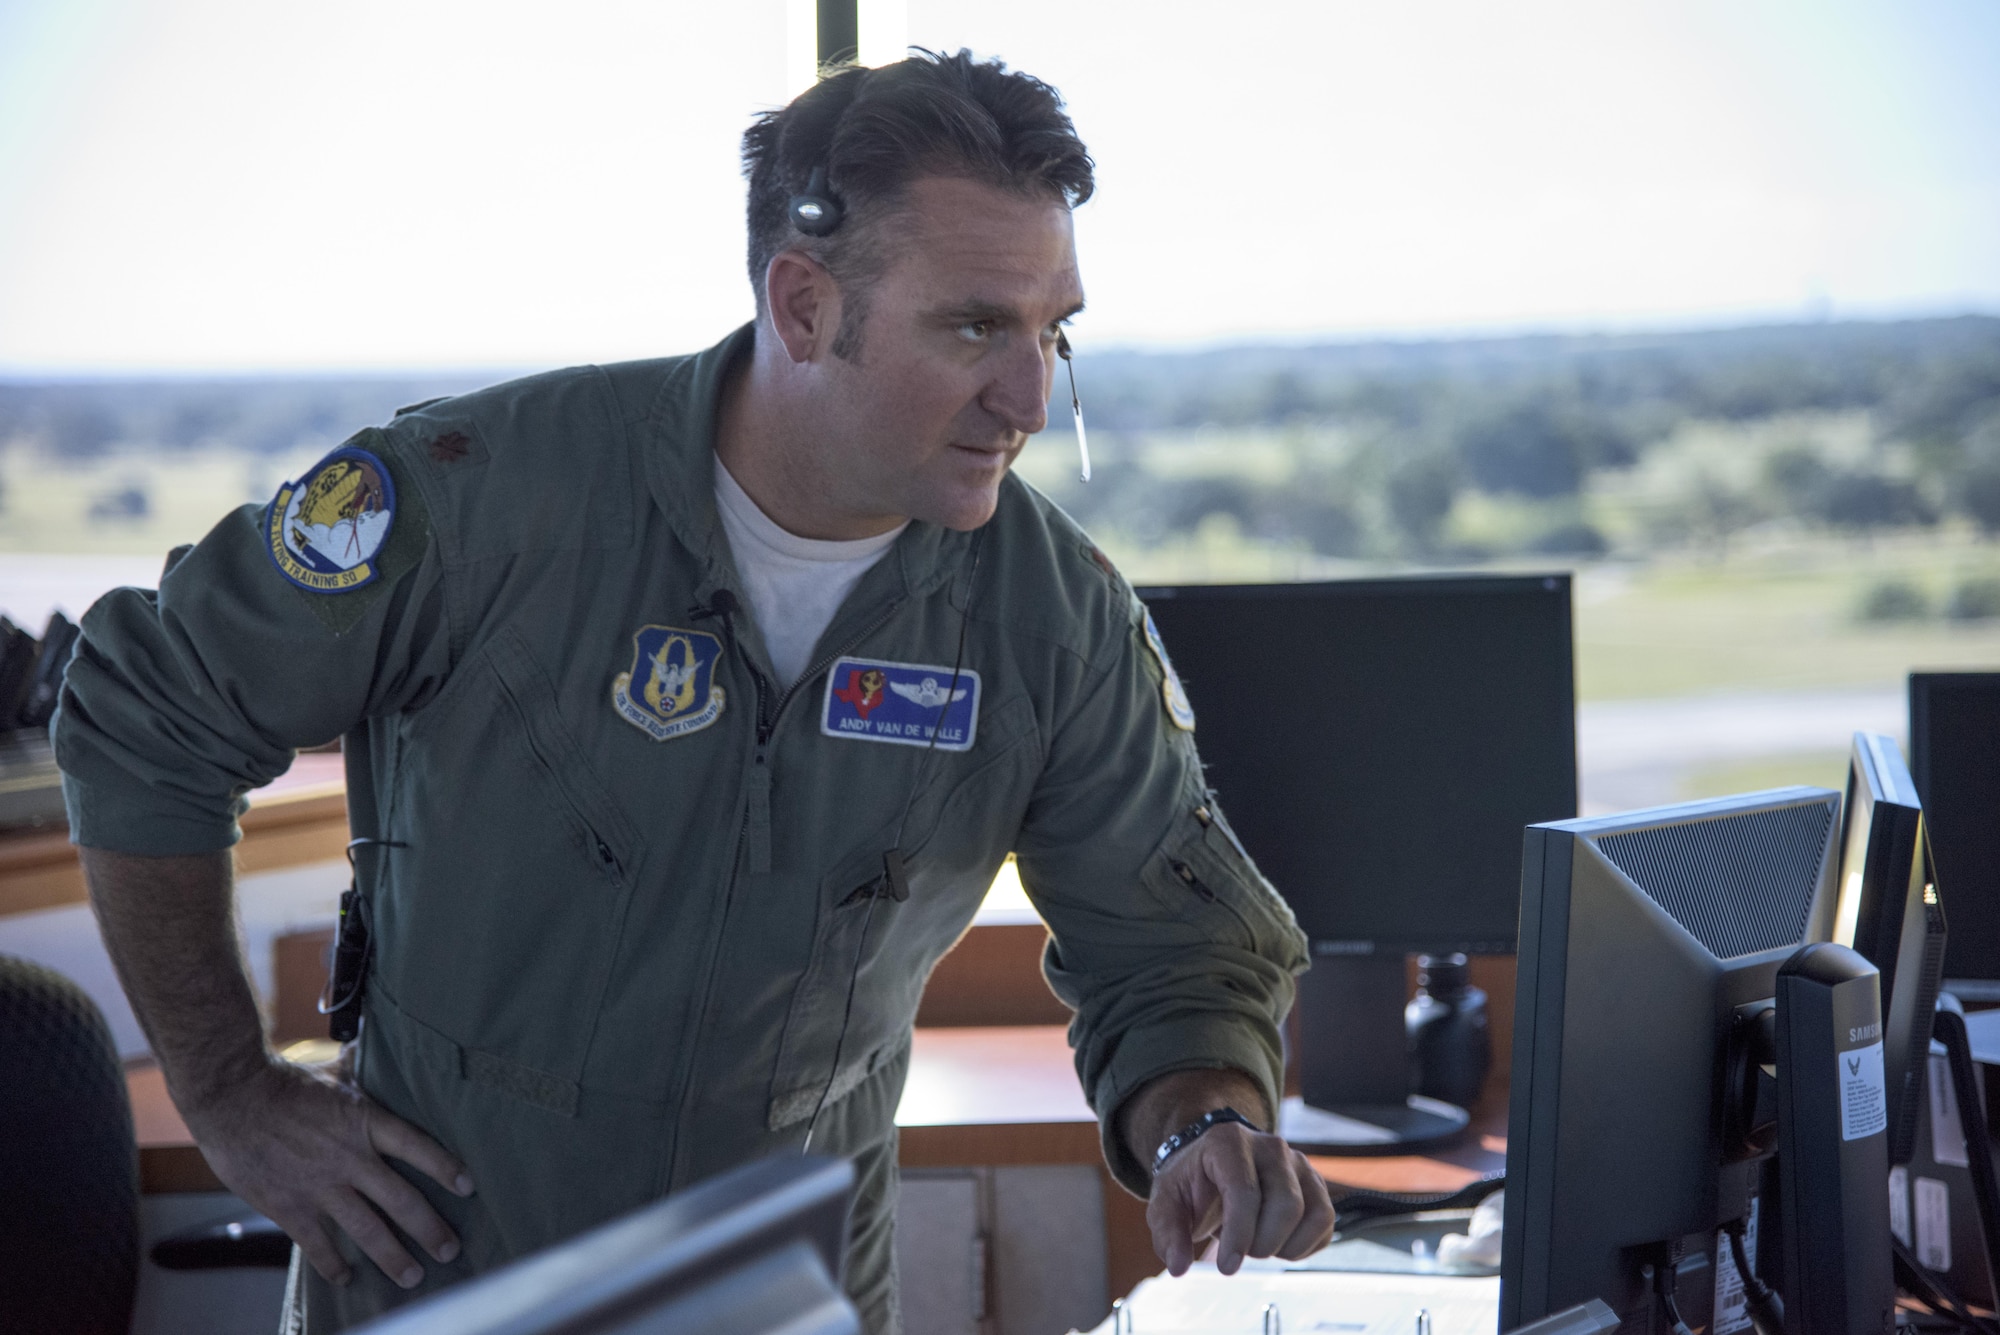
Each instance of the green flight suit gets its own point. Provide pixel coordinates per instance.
(608, 965)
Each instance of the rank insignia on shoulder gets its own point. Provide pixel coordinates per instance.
(670, 691)
(325, 531)
(1179, 708)
(870, 700)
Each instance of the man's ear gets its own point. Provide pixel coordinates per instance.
(804, 303)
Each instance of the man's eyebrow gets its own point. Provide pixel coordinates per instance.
(992, 310)
(968, 311)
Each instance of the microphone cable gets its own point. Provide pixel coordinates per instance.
(895, 880)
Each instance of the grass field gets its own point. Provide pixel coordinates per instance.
(1771, 613)
(1779, 617)
(1782, 618)
(48, 507)
(1821, 769)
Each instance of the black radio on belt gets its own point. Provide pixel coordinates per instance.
(347, 978)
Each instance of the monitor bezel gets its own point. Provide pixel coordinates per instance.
(1979, 984)
(1552, 583)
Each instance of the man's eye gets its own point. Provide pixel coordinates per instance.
(975, 331)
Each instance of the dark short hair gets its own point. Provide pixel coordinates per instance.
(875, 131)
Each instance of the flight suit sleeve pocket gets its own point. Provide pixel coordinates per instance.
(1200, 875)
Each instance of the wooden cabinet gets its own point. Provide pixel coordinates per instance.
(1002, 1250)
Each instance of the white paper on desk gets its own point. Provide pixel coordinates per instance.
(1206, 1302)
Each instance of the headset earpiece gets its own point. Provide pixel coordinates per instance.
(815, 211)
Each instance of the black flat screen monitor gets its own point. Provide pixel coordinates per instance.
(1889, 911)
(1649, 943)
(1955, 760)
(756, 1251)
(1380, 744)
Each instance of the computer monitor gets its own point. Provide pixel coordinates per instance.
(1889, 910)
(755, 1251)
(1650, 944)
(1954, 742)
(1378, 746)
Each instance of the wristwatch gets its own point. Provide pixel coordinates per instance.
(1194, 1131)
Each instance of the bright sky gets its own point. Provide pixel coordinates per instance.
(243, 184)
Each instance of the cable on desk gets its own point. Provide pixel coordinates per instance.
(1360, 1206)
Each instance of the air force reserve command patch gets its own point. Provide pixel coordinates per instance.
(1179, 708)
(868, 700)
(326, 530)
(670, 691)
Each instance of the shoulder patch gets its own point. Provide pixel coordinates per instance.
(670, 689)
(1179, 708)
(325, 531)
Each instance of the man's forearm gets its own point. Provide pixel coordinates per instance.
(1165, 1104)
(169, 925)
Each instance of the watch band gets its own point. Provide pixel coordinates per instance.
(1194, 1131)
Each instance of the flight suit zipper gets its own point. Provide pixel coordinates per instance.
(756, 830)
(757, 811)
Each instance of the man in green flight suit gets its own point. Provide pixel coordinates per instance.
(689, 708)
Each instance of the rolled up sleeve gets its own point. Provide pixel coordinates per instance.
(1172, 948)
(179, 701)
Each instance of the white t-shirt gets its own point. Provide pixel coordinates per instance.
(793, 585)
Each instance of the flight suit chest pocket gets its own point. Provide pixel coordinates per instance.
(513, 870)
(963, 813)
(855, 922)
(609, 838)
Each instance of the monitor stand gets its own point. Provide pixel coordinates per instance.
(1354, 1064)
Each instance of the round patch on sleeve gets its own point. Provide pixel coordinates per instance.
(325, 531)
(1179, 708)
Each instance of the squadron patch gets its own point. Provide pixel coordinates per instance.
(1179, 708)
(670, 691)
(868, 700)
(325, 531)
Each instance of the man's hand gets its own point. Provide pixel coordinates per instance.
(1249, 1190)
(302, 1145)
(305, 1146)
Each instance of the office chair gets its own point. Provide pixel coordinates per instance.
(69, 1167)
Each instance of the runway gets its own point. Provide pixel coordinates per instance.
(1638, 753)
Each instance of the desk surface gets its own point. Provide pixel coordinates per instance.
(993, 1095)
(299, 817)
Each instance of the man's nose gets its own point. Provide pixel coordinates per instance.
(1019, 393)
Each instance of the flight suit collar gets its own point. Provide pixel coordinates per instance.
(680, 471)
